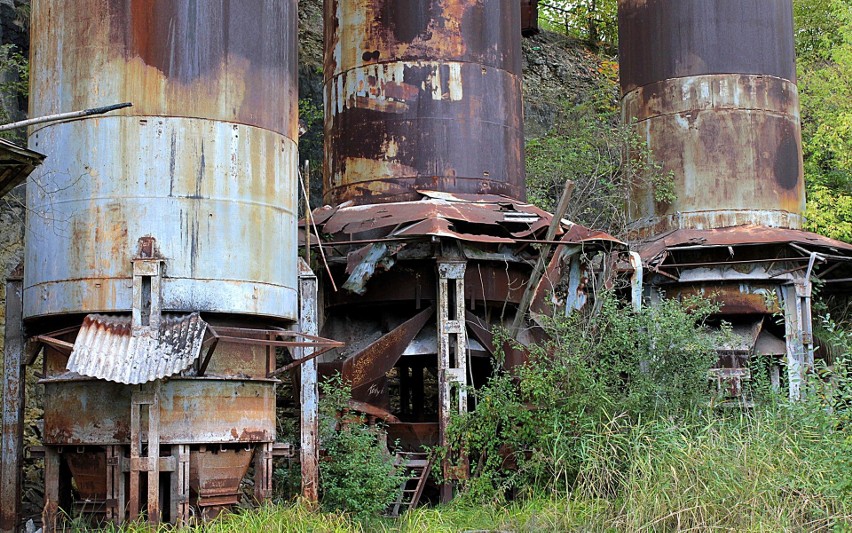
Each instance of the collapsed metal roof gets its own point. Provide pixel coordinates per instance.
(655, 250)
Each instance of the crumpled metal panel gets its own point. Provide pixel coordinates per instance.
(654, 250)
(467, 217)
(106, 348)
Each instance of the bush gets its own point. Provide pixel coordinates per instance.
(357, 473)
(601, 373)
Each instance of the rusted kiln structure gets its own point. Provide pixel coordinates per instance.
(429, 232)
(711, 87)
(161, 268)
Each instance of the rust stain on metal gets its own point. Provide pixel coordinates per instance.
(529, 17)
(215, 476)
(655, 250)
(733, 299)
(711, 87)
(422, 95)
(374, 361)
(106, 348)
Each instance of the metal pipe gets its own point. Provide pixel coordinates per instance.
(64, 116)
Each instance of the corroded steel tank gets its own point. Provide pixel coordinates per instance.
(204, 162)
(422, 94)
(711, 87)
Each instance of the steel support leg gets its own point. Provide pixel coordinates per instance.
(50, 515)
(309, 449)
(798, 334)
(116, 498)
(14, 395)
(263, 472)
(150, 461)
(452, 355)
(179, 505)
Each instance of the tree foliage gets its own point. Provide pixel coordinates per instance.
(592, 21)
(824, 49)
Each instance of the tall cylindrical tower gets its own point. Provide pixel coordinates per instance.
(711, 87)
(203, 161)
(164, 235)
(422, 95)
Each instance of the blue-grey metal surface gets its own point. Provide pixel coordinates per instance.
(205, 162)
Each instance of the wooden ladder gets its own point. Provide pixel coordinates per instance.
(417, 466)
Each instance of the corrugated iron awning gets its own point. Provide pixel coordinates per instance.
(106, 348)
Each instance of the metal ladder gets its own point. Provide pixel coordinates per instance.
(417, 467)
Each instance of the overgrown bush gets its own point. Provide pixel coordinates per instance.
(357, 474)
(599, 375)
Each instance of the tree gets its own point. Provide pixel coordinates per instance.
(592, 21)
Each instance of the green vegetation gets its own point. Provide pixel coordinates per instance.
(824, 49)
(357, 473)
(592, 21)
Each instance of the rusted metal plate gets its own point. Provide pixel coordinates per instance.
(733, 146)
(215, 476)
(374, 361)
(205, 157)
(734, 299)
(655, 250)
(89, 469)
(220, 60)
(106, 348)
(199, 410)
(710, 85)
(422, 95)
(413, 436)
(663, 39)
(529, 17)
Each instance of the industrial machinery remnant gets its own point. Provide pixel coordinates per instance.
(710, 85)
(428, 234)
(161, 276)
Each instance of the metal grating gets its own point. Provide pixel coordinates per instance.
(106, 348)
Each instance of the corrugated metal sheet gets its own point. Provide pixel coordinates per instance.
(107, 349)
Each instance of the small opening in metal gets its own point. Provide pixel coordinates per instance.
(145, 306)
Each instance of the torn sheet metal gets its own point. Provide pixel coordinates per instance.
(465, 217)
(656, 250)
(106, 349)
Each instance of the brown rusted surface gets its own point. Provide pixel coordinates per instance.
(663, 39)
(215, 476)
(529, 17)
(234, 62)
(422, 95)
(93, 412)
(374, 361)
(710, 86)
(733, 299)
(89, 469)
(206, 155)
(413, 436)
(654, 250)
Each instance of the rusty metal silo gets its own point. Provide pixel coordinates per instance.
(422, 95)
(161, 243)
(711, 86)
(203, 160)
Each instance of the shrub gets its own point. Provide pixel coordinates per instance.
(357, 473)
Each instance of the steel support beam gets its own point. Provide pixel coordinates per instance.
(308, 323)
(798, 335)
(452, 355)
(14, 395)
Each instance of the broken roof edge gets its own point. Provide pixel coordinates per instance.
(16, 164)
(749, 235)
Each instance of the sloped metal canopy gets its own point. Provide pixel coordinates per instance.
(16, 163)
(106, 348)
